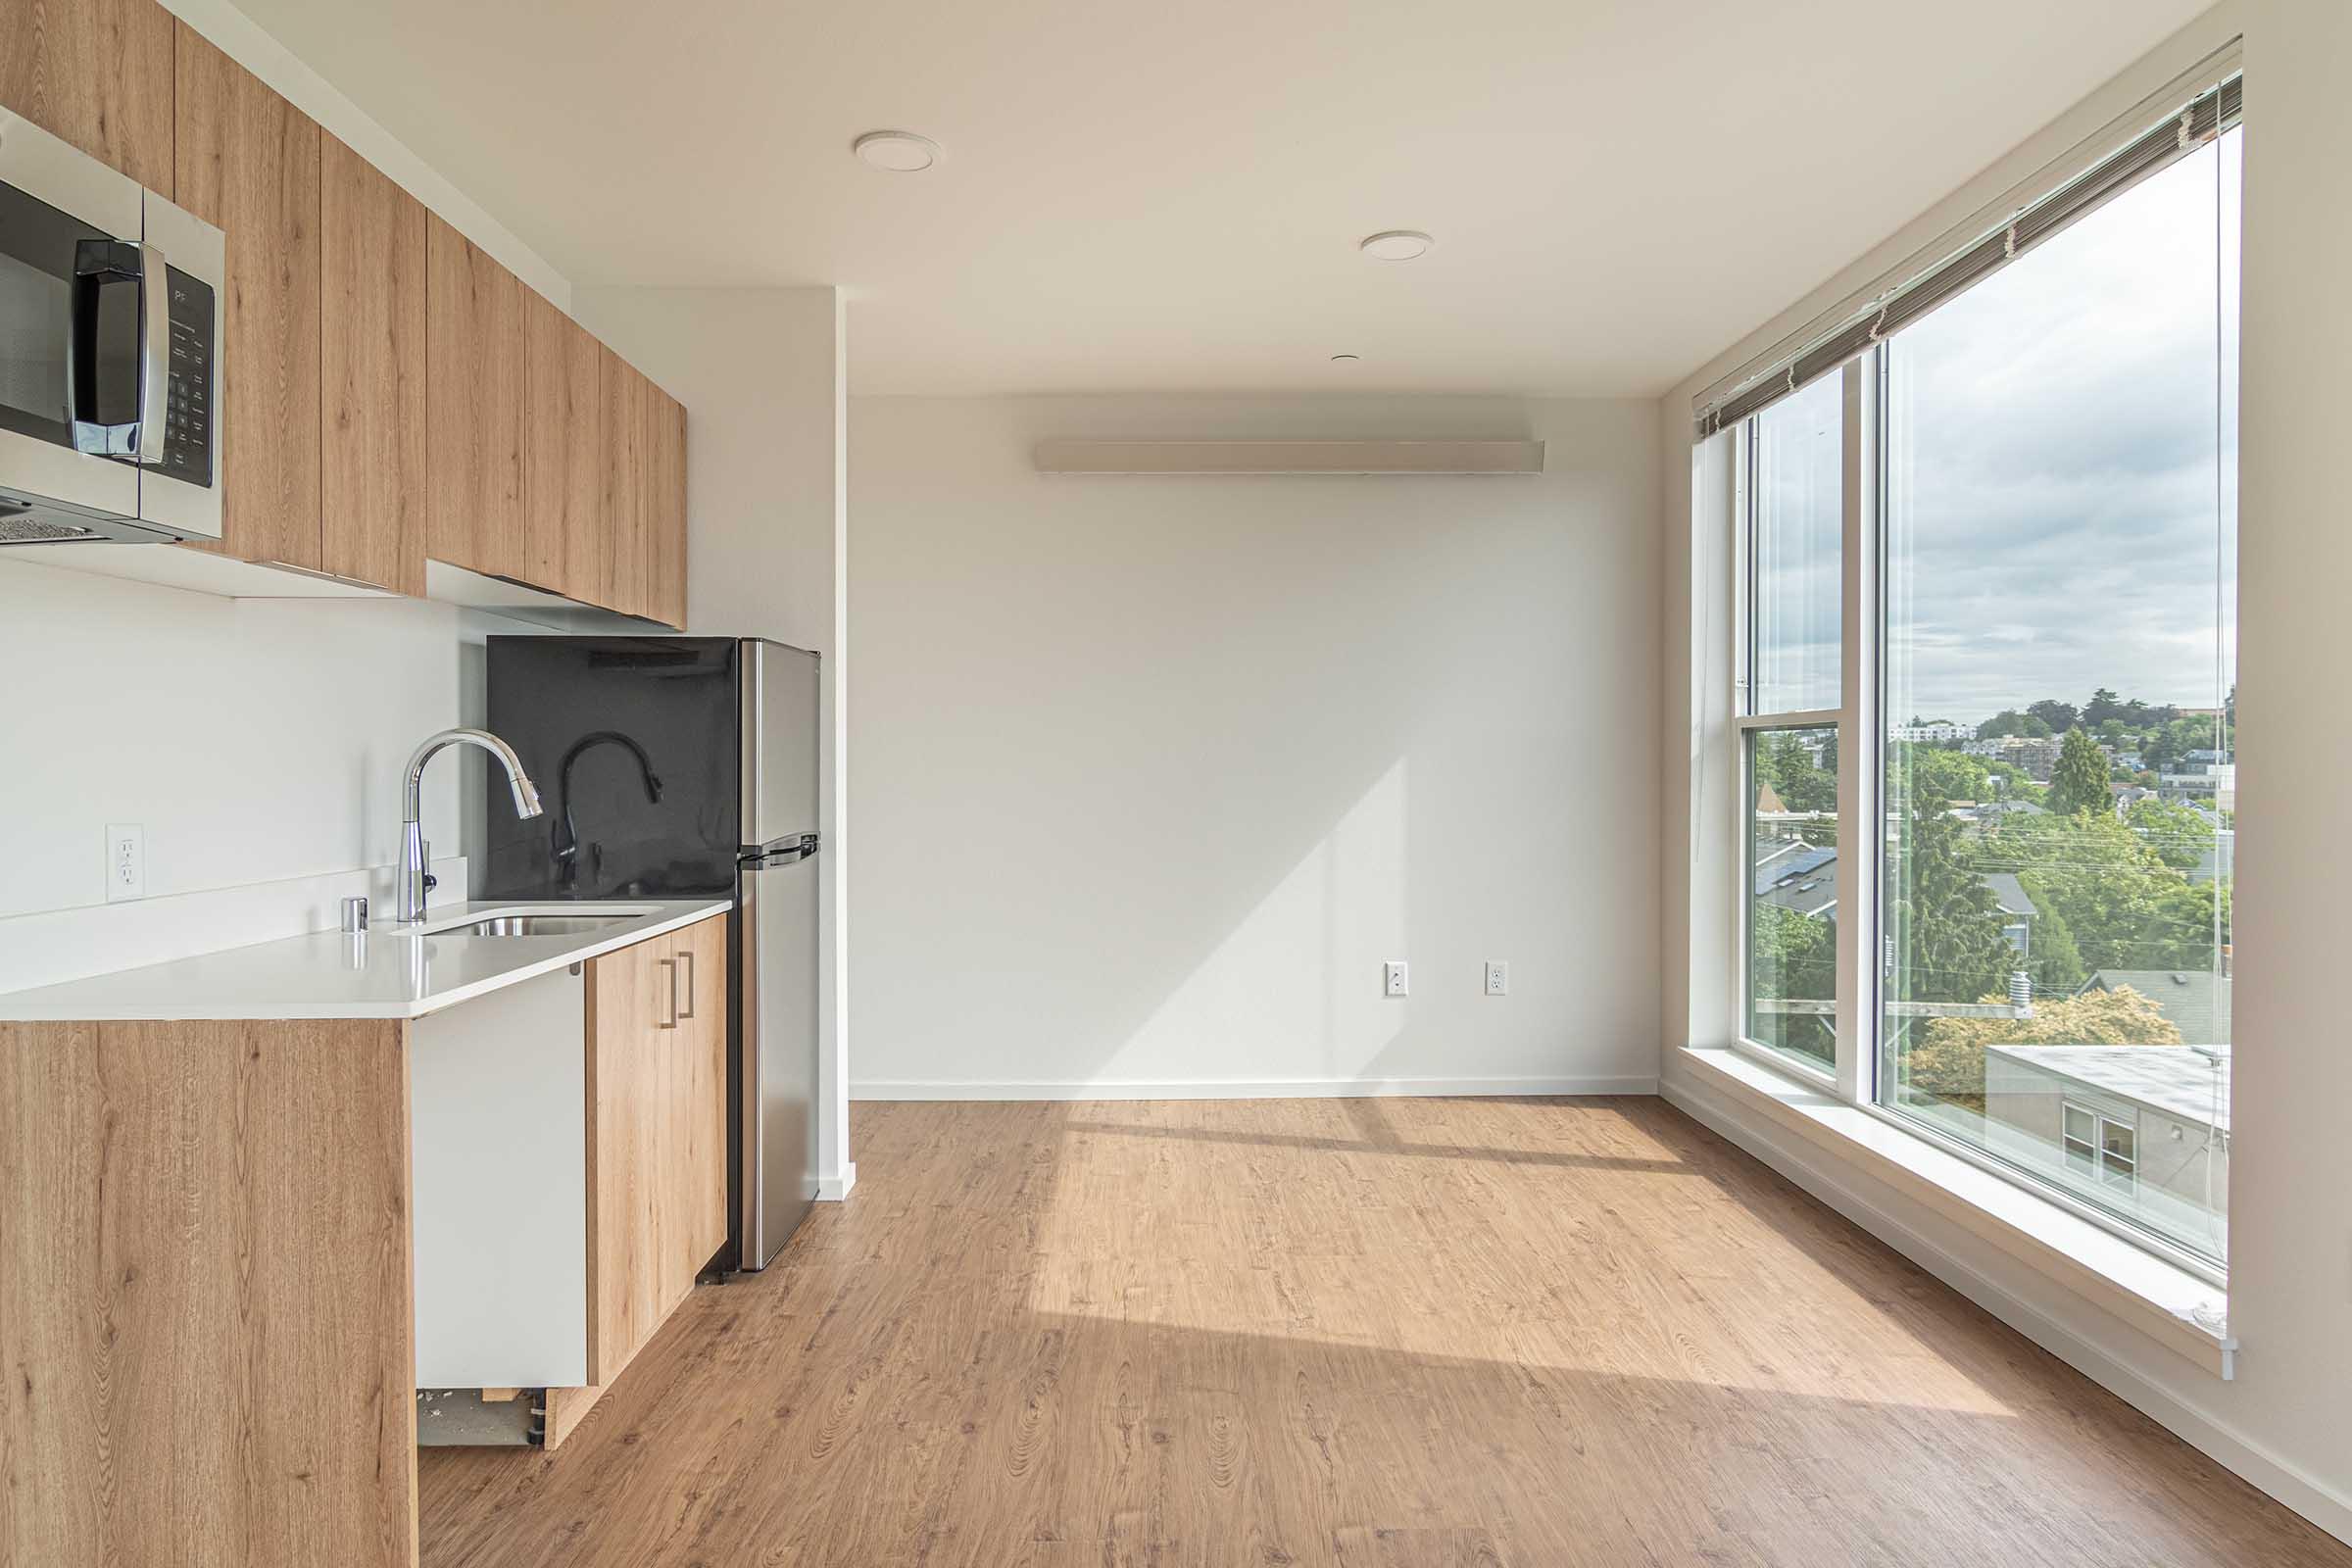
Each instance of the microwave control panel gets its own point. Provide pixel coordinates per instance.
(193, 387)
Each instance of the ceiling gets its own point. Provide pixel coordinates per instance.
(1168, 196)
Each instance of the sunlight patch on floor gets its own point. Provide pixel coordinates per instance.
(1412, 1226)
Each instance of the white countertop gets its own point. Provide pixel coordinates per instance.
(382, 974)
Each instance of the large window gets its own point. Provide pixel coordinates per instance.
(2043, 509)
(1795, 520)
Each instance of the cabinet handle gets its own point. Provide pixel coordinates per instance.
(671, 965)
(687, 958)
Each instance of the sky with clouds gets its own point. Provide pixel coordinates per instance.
(2055, 523)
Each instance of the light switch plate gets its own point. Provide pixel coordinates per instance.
(1392, 980)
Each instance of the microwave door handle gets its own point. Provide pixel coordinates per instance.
(98, 265)
(155, 351)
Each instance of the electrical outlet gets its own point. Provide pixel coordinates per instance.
(1392, 978)
(1498, 978)
(125, 862)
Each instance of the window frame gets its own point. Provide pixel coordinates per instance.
(1861, 774)
(1857, 565)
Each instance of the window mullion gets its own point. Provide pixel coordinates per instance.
(1859, 732)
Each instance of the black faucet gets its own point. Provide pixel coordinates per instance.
(566, 836)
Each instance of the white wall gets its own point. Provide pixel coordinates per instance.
(2281, 1423)
(239, 37)
(762, 375)
(257, 741)
(1153, 774)
(2290, 1175)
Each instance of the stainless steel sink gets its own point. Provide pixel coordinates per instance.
(536, 925)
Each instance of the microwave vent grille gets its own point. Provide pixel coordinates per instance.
(21, 530)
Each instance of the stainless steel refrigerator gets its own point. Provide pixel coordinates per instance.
(678, 767)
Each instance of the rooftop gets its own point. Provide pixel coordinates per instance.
(2194, 1002)
(2174, 1079)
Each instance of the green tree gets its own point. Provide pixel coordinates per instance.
(1947, 1059)
(2009, 721)
(1954, 775)
(2180, 835)
(1947, 927)
(1783, 761)
(1793, 957)
(2102, 707)
(2059, 716)
(2055, 962)
(2080, 781)
(2125, 906)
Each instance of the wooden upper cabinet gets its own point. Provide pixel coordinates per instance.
(629, 482)
(563, 453)
(474, 359)
(248, 162)
(588, 514)
(666, 510)
(371, 454)
(96, 73)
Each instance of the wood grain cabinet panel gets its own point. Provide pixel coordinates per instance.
(627, 996)
(248, 162)
(629, 482)
(665, 509)
(473, 360)
(699, 1101)
(96, 73)
(588, 516)
(656, 1026)
(563, 453)
(206, 1292)
(372, 452)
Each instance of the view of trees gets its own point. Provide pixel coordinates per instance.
(1947, 1058)
(2142, 890)
(2109, 891)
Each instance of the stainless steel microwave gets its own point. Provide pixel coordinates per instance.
(109, 352)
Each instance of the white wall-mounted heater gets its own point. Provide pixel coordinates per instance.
(1327, 457)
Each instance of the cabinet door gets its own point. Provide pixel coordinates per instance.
(473, 406)
(562, 473)
(95, 73)
(372, 454)
(248, 164)
(665, 509)
(628, 1005)
(627, 425)
(698, 1107)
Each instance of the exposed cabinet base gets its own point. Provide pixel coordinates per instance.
(195, 570)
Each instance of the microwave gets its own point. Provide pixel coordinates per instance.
(109, 352)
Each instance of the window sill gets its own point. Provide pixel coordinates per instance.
(2158, 1298)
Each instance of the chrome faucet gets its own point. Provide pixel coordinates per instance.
(413, 882)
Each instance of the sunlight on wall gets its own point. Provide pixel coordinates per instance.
(1301, 972)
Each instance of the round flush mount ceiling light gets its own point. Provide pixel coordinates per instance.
(1395, 244)
(1346, 358)
(901, 152)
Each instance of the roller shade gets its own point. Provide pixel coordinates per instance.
(2198, 122)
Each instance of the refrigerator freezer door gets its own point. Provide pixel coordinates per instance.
(777, 1044)
(779, 693)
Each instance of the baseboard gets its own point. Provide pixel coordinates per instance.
(1844, 1191)
(833, 1188)
(1242, 1087)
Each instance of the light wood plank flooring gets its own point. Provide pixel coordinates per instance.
(1396, 1333)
